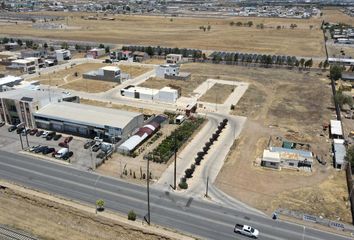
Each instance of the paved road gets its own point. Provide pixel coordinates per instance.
(200, 218)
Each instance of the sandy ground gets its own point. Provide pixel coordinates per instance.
(290, 104)
(185, 32)
(48, 217)
(218, 93)
(66, 78)
(117, 106)
(334, 15)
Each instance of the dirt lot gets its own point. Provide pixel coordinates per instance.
(116, 106)
(334, 15)
(218, 93)
(50, 220)
(133, 71)
(62, 77)
(89, 85)
(185, 32)
(291, 104)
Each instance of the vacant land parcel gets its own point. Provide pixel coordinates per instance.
(162, 31)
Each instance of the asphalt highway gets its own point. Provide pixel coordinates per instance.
(198, 218)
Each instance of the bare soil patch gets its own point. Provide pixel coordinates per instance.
(89, 85)
(218, 93)
(134, 71)
(185, 32)
(50, 220)
(335, 15)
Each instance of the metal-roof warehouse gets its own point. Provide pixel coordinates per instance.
(87, 120)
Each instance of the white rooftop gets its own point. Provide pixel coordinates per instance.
(336, 128)
(21, 61)
(271, 156)
(168, 89)
(87, 114)
(143, 90)
(110, 68)
(9, 79)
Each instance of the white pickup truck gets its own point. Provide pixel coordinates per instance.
(246, 230)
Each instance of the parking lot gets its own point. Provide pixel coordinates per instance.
(82, 158)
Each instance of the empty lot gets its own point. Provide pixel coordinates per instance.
(185, 32)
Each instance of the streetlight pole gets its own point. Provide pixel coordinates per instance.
(207, 187)
(175, 165)
(148, 192)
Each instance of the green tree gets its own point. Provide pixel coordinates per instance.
(302, 62)
(278, 27)
(250, 23)
(100, 204)
(239, 24)
(149, 51)
(51, 48)
(209, 27)
(232, 23)
(335, 72)
(101, 46)
(349, 157)
(19, 42)
(64, 45)
(320, 65)
(342, 99)
(131, 215)
(325, 64)
(5, 40)
(107, 49)
(77, 47)
(45, 45)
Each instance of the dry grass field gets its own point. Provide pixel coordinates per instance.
(185, 32)
(291, 104)
(63, 77)
(334, 15)
(218, 93)
(134, 71)
(90, 86)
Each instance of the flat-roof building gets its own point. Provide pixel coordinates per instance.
(107, 73)
(165, 94)
(9, 81)
(18, 105)
(86, 120)
(339, 153)
(336, 129)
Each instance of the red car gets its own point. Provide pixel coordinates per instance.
(68, 139)
(63, 144)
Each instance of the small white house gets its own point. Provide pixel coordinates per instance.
(174, 58)
(167, 69)
(62, 54)
(24, 65)
(168, 94)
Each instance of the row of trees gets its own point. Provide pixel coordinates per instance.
(231, 58)
(204, 28)
(240, 24)
(161, 51)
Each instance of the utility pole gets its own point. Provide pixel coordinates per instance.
(207, 187)
(21, 140)
(148, 192)
(26, 136)
(175, 165)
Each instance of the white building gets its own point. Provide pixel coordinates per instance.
(165, 94)
(62, 54)
(168, 94)
(174, 58)
(9, 81)
(24, 65)
(167, 69)
(336, 129)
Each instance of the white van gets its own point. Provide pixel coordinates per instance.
(179, 119)
(61, 152)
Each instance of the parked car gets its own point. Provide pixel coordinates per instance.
(2, 124)
(68, 139)
(25, 132)
(101, 155)
(48, 150)
(39, 133)
(33, 131)
(89, 143)
(246, 230)
(19, 130)
(50, 135)
(61, 152)
(96, 147)
(31, 149)
(57, 137)
(45, 134)
(40, 149)
(63, 144)
(67, 155)
(12, 128)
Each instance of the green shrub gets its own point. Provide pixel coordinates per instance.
(183, 185)
(131, 215)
